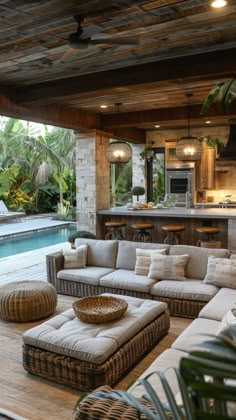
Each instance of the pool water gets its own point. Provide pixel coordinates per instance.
(34, 240)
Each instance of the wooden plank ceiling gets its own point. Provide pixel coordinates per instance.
(182, 46)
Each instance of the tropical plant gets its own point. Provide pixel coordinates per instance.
(223, 93)
(137, 191)
(204, 388)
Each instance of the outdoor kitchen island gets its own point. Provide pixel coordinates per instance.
(224, 219)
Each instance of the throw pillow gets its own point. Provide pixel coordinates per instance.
(221, 272)
(76, 258)
(171, 267)
(143, 260)
(227, 328)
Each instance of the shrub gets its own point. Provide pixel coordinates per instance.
(80, 234)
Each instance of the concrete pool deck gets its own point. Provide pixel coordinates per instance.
(29, 265)
(29, 225)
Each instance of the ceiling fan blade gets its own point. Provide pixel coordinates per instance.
(90, 31)
(69, 53)
(131, 40)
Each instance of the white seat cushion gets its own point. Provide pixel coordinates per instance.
(191, 338)
(163, 363)
(127, 280)
(65, 334)
(187, 289)
(88, 275)
(221, 303)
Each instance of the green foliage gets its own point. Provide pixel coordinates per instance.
(203, 380)
(147, 153)
(80, 234)
(44, 163)
(223, 93)
(213, 142)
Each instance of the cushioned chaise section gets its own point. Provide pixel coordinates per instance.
(168, 359)
(127, 280)
(198, 258)
(195, 333)
(88, 275)
(100, 253)
(187, 289)
(126, 256)
(65, 334)
(222, 302)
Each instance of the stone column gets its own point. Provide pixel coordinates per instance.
(138, 170)
(92, 178)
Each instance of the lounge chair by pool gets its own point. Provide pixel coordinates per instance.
(7, 216)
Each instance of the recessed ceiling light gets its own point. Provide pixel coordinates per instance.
(218, 3)
(208, 122)
(157, 126)
(103, 106)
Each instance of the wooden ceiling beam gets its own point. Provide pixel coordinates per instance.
(155, 116)
(218, 63)
(132, 134)
(57, 115)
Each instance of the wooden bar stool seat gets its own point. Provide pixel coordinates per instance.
(207, 237)
(115, 230)
(173, 237)
(141, 234)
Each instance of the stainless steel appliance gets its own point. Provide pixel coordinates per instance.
(180, 181)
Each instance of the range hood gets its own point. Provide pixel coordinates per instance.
(229, 151)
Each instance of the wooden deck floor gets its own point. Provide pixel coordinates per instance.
(28, 395)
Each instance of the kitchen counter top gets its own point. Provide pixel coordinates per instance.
(174, 212)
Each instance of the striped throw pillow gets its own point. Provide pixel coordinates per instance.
(143, 260)
(171, 267)
(76, 258)
(221, 272)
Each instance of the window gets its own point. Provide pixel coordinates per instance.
(156, 175)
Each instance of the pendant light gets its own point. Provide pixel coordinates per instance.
(189, 148)
(118, 150)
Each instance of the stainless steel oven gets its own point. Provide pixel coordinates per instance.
(178, 182)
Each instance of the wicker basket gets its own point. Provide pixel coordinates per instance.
(98, 309)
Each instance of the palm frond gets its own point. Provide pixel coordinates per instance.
(212, 95)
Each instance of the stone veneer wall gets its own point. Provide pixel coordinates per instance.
(138, 169)
(92, 178)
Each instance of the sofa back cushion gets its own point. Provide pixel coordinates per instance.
(198, 258)
(126, 257)
(100, 253)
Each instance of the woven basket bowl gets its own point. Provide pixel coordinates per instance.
(99, 309)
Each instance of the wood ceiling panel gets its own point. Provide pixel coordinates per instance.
(34, 37)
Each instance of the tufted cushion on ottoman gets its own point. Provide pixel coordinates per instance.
(25, 301)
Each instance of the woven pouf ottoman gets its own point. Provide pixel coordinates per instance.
(25, 301)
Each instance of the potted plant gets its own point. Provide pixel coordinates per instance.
(137, 191)
(223, 93)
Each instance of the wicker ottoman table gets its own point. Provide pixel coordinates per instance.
(85, 356)
(25, 301)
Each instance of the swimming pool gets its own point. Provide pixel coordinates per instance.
(28, 242)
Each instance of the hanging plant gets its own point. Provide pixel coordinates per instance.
(223, 93)
(147, 153)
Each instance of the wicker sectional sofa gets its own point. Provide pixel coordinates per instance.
(110, 269)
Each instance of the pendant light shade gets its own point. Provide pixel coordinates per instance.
(189, 148)
(118, 151)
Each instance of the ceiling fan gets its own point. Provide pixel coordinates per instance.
(92, 35)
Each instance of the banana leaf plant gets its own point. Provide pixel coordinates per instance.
(207, 387)
(223, 94)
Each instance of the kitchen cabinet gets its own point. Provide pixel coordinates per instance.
(206, 177)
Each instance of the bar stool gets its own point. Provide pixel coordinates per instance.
(114, 230)
(173, 237)
(141, 234)
(207, 239)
